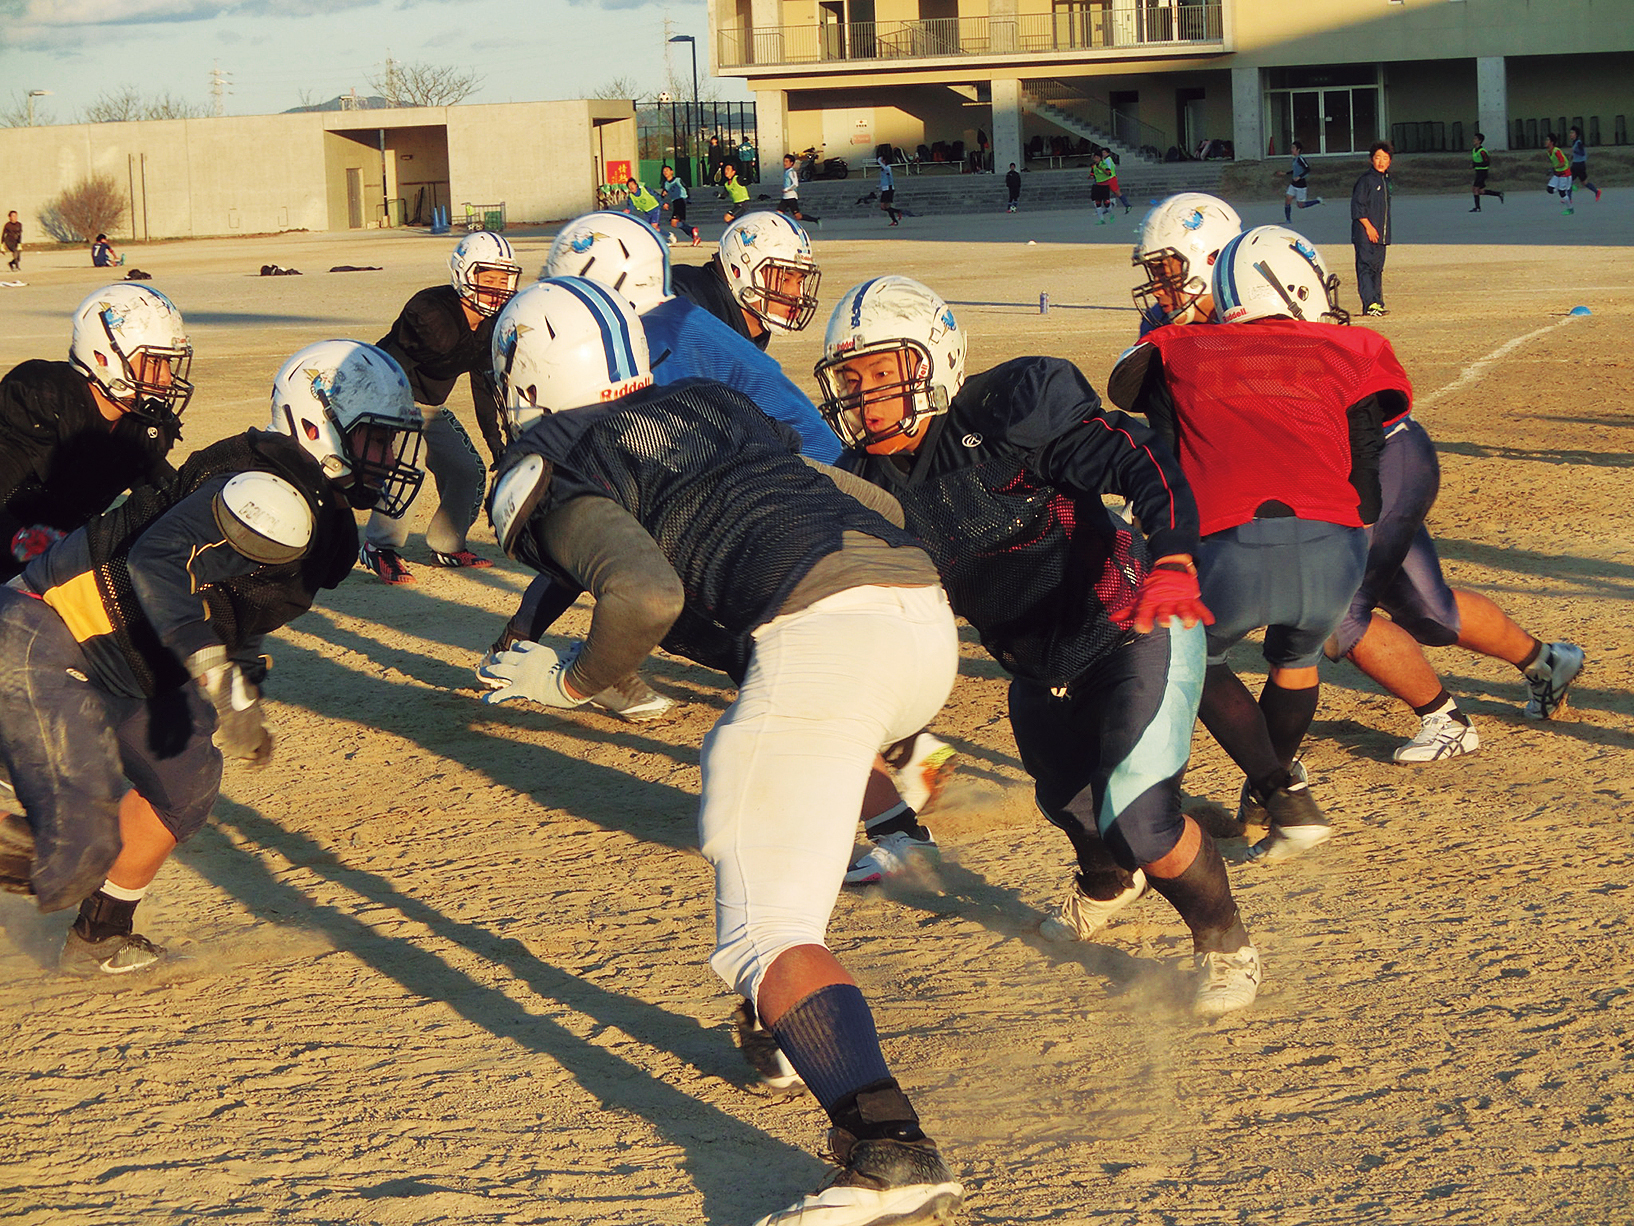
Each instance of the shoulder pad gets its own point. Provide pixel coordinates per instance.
(264, 517)
(1129, 375)
(517, 494)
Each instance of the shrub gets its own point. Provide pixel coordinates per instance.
(90, 207)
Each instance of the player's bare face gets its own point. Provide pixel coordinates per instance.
(784, 287)
(877, 391)
(1381, 160)
(494, 288)
(376, 450)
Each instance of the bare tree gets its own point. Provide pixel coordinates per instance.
(127, 104)
(14, 114)
(619, 87)
(88, 208)
(423, 84)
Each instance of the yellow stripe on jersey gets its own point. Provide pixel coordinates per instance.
(79, 603)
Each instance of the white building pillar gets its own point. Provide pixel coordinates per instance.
(1492, 100)
(1006, 125)
(1247, 114)
(772, 124)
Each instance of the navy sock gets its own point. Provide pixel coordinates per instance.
(1288, 715)
(830, 1039)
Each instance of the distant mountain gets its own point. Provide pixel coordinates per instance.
(344, 102)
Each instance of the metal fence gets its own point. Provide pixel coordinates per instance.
(675, 132)
(1078, 29)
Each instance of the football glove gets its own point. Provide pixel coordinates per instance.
(1169, 590)
(533, 671)
(240, 732)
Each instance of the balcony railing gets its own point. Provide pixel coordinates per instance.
(1088, 28)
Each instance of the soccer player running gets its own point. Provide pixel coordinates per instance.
(1560, 173)
(1298, 178)
(1276, 416)
(690, 518)
(1580, 163)
(1481, 160)
(1002, 475)
(130, 643)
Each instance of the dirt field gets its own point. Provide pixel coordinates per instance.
(446, 963)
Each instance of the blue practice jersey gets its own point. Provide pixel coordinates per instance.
(686, 341)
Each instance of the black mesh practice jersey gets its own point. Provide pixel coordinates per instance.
(704, 285)
(61, 461)
(1005, 494)
(435, 344)
(719, 486)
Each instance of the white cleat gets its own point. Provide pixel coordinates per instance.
(921, 774)
(1549, 676)
(879, 1183)
(1078, 917)
(893, 855)
(1440, 737)
(1226, 982)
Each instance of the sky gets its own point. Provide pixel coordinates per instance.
(525, 50)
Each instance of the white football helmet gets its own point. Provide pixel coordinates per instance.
(131, 342)
(617, 250)
(478, 253)
(1272, 271)
(769, 266)
(1179, 242)
(349, 407)
(880, 319)
(562, 344)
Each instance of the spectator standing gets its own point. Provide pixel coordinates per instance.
(102, 253)
(11, 238)
(746, 162)
(1580, 164)
(716, 160)
(1370, 227)
(1012, 184)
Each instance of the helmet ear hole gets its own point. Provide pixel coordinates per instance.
(311, 430)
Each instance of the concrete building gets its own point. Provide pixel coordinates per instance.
(849, 75)
(330, 170)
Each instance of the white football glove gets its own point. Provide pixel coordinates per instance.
(533, 671)
(240, 732)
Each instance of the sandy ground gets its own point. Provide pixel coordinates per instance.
(446, 963)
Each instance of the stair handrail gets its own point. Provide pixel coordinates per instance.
(1100, 115)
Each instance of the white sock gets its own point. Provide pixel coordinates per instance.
(122, 893)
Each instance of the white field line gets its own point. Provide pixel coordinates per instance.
(1477, 369)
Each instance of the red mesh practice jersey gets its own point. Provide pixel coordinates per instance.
(1260, 413)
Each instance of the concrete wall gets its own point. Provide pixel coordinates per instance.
(260, 173)
(1594, 85)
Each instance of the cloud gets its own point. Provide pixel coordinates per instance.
(43, 15)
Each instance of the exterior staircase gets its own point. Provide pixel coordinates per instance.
(1082, 114)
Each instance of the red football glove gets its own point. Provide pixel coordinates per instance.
(1170, 591)
(29, 543)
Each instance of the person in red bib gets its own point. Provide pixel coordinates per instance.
(1276, 418)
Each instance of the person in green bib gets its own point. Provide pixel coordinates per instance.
(1482, 162)
(642, 202)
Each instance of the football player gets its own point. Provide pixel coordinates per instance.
(763, 278)
(1002, 475)
(443, 332)
(133, 640)
(689, 516)
(1276, 417)
(1179, 241)
(75, 435)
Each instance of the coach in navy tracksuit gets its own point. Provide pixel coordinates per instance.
(1370, 228)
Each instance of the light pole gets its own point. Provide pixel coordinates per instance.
(697, 115)
(33, 94)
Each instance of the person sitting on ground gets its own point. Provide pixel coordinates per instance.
(103, 255)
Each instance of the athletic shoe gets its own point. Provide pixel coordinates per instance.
(697, 238)
(1597, 195)
(1316, 202)
(385, 564)
(461, 559)
(116, 955)
(1567, 212)
(1250, 809)
(1476, 209)
(1440, 736)
(1226, 982)
(1374, 308)
(1549, 676)
(760, 1049)
(879, 1183)
(923, 772)
(1297, 825)
(1499, 195)
(892, 855)
(633, 700)
(1078, 917)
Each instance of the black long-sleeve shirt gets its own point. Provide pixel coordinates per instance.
(1371, 199)
(435, 344)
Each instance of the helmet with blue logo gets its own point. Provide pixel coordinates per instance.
(349, 407)
(1180, 240)
(484, 253)
(131, 343)
(1271, 271)
(876, 323)
(771, 270)
(566, 343)
(617, 250)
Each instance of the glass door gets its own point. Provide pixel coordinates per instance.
(1336, 121)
